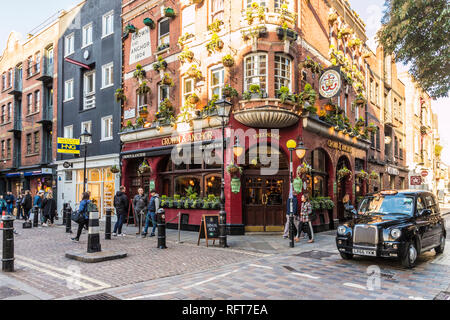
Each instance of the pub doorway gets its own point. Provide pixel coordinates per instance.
(342, 187)
(265, 196)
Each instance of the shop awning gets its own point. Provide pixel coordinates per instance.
(167, 150)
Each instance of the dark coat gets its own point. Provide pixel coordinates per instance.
(140, 203)
(49, 207)
(121, 203)
(295, 206)
(28, 204)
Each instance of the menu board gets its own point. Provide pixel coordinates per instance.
(209, 229)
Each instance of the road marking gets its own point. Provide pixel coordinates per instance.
(305, 275)
(354, 285)
(64, 271)
(153, 295)
(259, 266)
(416, 298)
(209, 280)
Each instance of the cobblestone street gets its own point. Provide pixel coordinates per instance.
(254, 267)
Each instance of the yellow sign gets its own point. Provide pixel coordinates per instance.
(339, 146)
(68, 146)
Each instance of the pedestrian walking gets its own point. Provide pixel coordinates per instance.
(27, 205)
(295, 212)
(305, 219)
(153, 208)
(10, 199)
(140, 204)
(49, 210)
(121, 204)
(37, 203)
(19, 208)
(2, 203)
(84, 212)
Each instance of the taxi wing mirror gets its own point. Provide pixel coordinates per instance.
(425, 212)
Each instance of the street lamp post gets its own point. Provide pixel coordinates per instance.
(223, 110)
(85, 139)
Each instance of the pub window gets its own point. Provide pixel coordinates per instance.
(164, 33)
(184, 183)
(256, 71)
(217, 82)
(163, 93)
(213, 185)
(282, 72)
(359, 164)
(319, 175)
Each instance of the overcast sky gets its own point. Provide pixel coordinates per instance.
(24, 15)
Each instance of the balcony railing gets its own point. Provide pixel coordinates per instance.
(47, 116)
(89, 101)
(16, 89)
(47, 72)
(17, 126)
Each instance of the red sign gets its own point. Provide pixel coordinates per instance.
(424, 173)
(416, 180)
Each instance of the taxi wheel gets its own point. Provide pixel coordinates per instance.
(440, 249)
(346, 256)
(410, 256)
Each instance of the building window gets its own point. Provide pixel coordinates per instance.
(3, 114)
(68, 176)
(372, 140)
(68, 132)
(86, 126)
(141, 100)
(378, 139)
(29, 103)
(9, 112)
(3, 149)
(89, 90)
(69, 44)
(37, 101)
(188, 19)
(68, 90)
(4, 81)
(107, 128)
(216, 10)
(8, 149)
(29, 144)
(29, 66)
(188, 88)
(256, 71)
(377, 94)
(37, 141)
(163, 93)
(10, 78)
(108, 24)
(400, 112)
(319, 175)
(50, 57)
(217, 82)
(164, 34)
(37, 58)
(87, 35)
(283, 72)
(108, 75)
(261, 3)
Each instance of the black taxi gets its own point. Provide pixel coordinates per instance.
(394, 224)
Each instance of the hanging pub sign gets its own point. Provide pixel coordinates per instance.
(330, 83)
(298, 185)
(236, 185)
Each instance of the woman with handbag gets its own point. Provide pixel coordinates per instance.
(305, 218)
(49, 210)
(84, 213)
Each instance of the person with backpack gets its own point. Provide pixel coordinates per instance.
(84, 212)
(153, 208)
(140, 204)
(2, 204)
(121, 204)
(305, 219)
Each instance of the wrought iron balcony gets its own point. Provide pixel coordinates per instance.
(16, 89)
(47, 116)
(17, 127)
(47, 72)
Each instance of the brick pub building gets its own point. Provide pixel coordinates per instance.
(170, 59)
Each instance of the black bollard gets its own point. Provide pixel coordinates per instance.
(161, 223)
(8, 244)
(108, 224)
(68, 217)
(291, 230)
(64, 217)
(94, 233)
(35, 217)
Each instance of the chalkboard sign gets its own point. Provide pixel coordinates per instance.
(209, 229)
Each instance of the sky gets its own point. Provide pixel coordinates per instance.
(24, 15)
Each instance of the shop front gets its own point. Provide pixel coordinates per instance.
(41, 179)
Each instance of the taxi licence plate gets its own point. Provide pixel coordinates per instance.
(364, 252)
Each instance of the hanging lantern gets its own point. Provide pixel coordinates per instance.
(298, 185)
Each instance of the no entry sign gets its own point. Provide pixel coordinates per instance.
(416, 180)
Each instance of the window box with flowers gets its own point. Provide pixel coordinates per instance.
(215, 44)
(162, 47)
(284, 95)
(186, 56)
(286, 34)
(254, 92)
(169, 12)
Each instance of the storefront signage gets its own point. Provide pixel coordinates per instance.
(129, 114)
(188, 138)
(135, 155)
(330, 84)
(339, 146)
(416, 180)
(47, 171)
(209, 228)
(152, 185)
(140, 46)
(267, 135)
(68, 146)
(392, 171)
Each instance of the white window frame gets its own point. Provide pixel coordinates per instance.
(69, 44)
(88, 97)
(88, 126)
(166, 35)
(257, 74)
(221, 70)
(187, 93)
(85, 41)
(110, 67)
(190, 27)
(216, 7)
(30, 98)
(37, 58)
(37, 101)
(107, 121)
(67, 130)
(104, 24)
(69, 84)
(283, 56)
(160, 86)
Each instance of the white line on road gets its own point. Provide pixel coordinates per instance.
(416, 298)
(305, 275)
(153, 295)
(354, 285)
(259, 266)
(210, 279)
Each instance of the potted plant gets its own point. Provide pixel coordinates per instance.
(186, 55)
(234, 170)
(143, 88)
(139, 73)
(362, 175)
(115, 169)
(193, 98)
(360, 122)
(169, 12)
(360, 99)
(322, 114)
(167, 80)
(303, 169)
(214, 44)
(372, 127)
(215, 26)
(344, 173)
(374, 177)
(330, 107)
(161, 64)
(228, 61)
(284, 94)
(149, 23)
(255, 89)
(193, 72)
(130, 28)
(332, 17)
(144, 167)
(139, 123)
(129, 125)
(229, 92)
(120, 96)
(354, 42)
(143, 112)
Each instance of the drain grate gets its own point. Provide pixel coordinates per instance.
(443, 295)
(6, 292)
(315, 254)
(101, 296)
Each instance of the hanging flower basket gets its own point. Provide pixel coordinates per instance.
(330, 107)
(235, 185)
(228, 61)
(196, 1)
(423, 130)
(149, 23)
(363, 175)
(144, 168)
(344, 173)
(360, 99)
(169, 12)
(130, 28)
(234, 170)
(298, 185)
(303, 169)
(193, 99)
(167, 80)
(115, 169)
(332, 17)
(143, 112)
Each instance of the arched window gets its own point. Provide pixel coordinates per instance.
(319, 176)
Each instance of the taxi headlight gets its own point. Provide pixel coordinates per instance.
(342, 231)
(396, 233)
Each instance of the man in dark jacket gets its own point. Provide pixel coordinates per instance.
(153, 208)
(288, 212)
(27, 204)
(140, 203)
(121, 204)
(10, 199)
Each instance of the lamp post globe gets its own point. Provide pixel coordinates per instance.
(85, 139)
(300, 150)
(238, 150)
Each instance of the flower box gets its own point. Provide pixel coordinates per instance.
(149, 23)
(169, 12)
